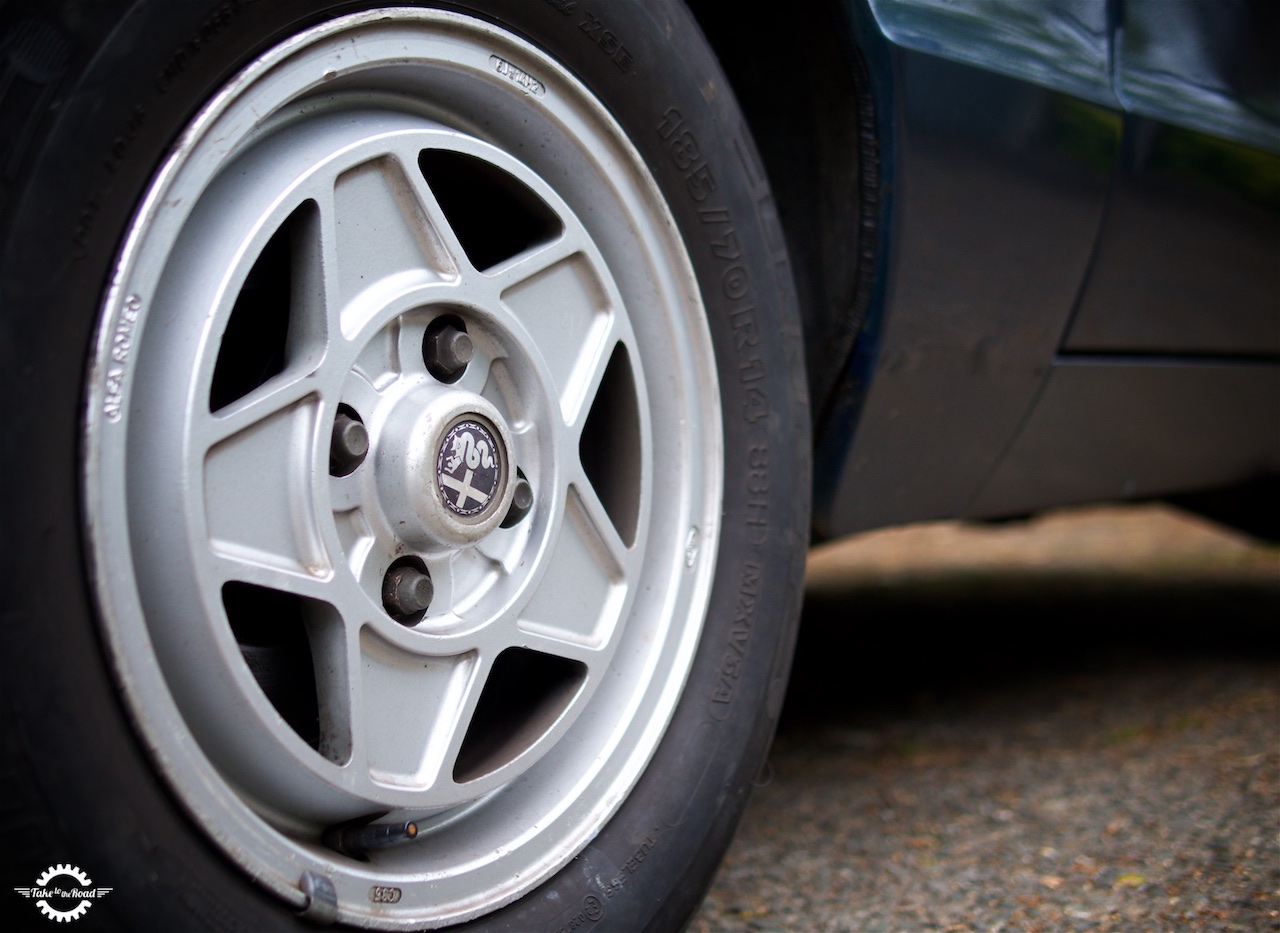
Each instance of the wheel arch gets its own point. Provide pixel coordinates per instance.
(830, 165)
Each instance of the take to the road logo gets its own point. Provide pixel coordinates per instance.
(63, 893)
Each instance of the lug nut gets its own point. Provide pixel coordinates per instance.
(447, 350)
(348, 446)
(406, 592)
(521, 502)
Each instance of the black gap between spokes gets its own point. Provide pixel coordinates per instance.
(271, 628)
(494, 216)
(525, 694)
(610, 445)
(255, 343)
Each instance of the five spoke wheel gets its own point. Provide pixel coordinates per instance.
(420, 418)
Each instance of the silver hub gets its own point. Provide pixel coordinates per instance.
(443, 458)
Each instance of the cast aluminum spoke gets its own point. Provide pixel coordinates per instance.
(336, 656)
(252, 568)
(258, 494)
(579, 598)
(594, 516)
(450, 259)
(550, 641)
(568, 313)
(597, 358)
(405, 709)
(382, 230)
(285, 392)
(537, 261)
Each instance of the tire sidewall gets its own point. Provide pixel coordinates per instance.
(67, 204)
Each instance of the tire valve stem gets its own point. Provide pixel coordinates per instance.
(359, 839)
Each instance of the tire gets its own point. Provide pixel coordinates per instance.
(408, 523)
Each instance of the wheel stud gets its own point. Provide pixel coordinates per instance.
(406, 592)
(348, 445)
(447, 350)
(521, 501)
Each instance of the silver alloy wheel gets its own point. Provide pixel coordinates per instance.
(401, 272)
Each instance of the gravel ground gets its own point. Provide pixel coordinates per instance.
(1071, 724)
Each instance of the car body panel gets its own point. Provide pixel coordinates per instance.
(1207, 65)
(1048, 254)
(1133, 428)
(1001, 192)
(1059, 44)
(1188, 262)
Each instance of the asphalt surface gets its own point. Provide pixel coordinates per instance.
(1069, 724)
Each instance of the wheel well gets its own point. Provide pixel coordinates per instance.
(823, 163)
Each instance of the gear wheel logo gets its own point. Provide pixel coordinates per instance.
(63, 900)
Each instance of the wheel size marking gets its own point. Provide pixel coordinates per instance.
(384, 894)
(517, 76)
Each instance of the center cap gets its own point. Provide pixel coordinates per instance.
(469, 467)
(445, 468)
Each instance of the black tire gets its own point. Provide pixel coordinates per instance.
(95, 96)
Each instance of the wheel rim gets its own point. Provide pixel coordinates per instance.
(403, 466)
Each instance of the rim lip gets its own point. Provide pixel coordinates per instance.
(220, 812)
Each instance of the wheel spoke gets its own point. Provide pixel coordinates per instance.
(271, 572)
(582, 593)
(595, 517)
(335, 656)
(311, 324)
(536, 262)
(569, 313)
(383, 230)
(551, 642)
(277, 397)
(611, 343)
(407, 710)
(258, 489)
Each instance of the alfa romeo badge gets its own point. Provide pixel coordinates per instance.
(468, 468)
